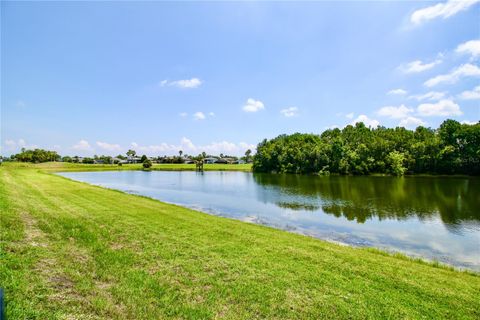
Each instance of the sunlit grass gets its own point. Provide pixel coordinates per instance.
(66, 166)
(70, 250)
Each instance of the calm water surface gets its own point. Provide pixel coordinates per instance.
(429, 217)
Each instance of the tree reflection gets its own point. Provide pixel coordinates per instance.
(360, 198)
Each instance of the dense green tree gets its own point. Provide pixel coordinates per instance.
(143, 159)
(88, 160)
(36, 156)
(147, 164)
(452, 148)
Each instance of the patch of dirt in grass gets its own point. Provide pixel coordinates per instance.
(117, 246)
(62, 286)
(116, 308)
(33, 235)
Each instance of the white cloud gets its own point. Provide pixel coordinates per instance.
(350, 115)
(199, 115)
(108, 146)
(470, 95)
(188, 147)
(411, 122)
(366, 120)
(186, 84)
(20, 104)
(183, 114)
(82, 145)
(397, 91)
(418, 66)
(289, 112)
(471, 123)
(471, 47)
(432, 96)
(441, 10)
(12, 145)
(442, 108)
(253, 105)
(465, 70)
(395, 112)
(211, 114)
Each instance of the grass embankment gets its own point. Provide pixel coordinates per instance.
(66, 166)
(75, 251)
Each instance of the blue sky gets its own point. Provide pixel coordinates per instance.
(102, 77)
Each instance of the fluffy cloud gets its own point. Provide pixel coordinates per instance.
(186, 84)
(397, 91)
(199, 115)
(82, 145)
(253, 105)
(108, 146)
(468, 122)
(366, 120)
(465, 70)
(188, 147)
(432, 96)
(395, 112)
(12, 145)
(442, 108)
(411, 122)
(470, 95)
(289, 112)
(350, 115)
(441, 10)
(418, 66)
(471, 47)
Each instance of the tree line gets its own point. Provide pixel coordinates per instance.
(453, 148)
(36, 156)
(41, 155)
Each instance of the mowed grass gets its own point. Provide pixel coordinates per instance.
(66, 166)
(70, 250)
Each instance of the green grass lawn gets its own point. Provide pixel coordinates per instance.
(65, 166)
(70, 250)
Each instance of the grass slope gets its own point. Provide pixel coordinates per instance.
(65, 166)
(74, 251)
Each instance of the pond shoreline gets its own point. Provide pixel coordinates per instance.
(95, 236)
(368, 221)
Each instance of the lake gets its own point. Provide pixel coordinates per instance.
(429, 217)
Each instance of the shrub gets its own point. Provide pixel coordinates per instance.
(147, 164)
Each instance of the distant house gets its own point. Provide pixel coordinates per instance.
(240, 161)
(221, 160)
(118, 160)
(131, 159)
(210, 160)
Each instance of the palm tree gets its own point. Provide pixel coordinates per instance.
(247, 155)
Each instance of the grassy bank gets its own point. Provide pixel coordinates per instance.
(74, 251)
(66, 166)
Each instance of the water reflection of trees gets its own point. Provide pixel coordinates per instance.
(455, 200)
